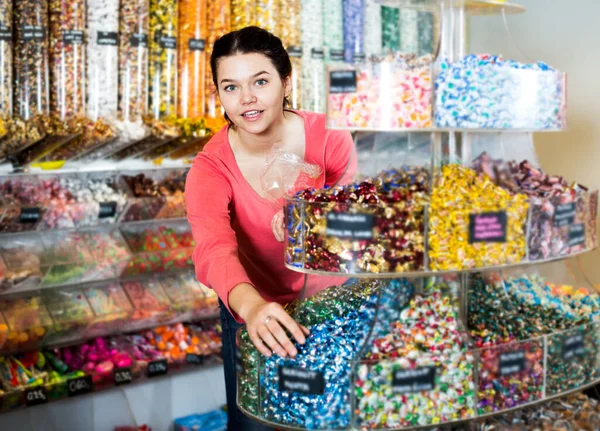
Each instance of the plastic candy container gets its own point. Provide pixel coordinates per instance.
(389, 93)
(486, 91)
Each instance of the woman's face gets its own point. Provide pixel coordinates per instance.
(251, 91)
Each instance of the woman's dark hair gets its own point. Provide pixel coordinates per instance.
(250, 40)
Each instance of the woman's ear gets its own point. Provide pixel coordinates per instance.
(287, 86)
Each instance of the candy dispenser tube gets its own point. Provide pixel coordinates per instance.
(193, 61)
(133, 59)
(162, 73)
(6, 58)
(67, 59)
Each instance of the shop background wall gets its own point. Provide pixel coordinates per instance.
(566, 37)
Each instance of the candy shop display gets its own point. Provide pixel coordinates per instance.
(473, 223)
(193, 62)
(289, 30)
(111, 306)
(373, 28)
(354, 30)
(316, 225)
(562, 215)
(28, 323)
(151, 304)
(313, 58)
(71, 315)
(390, 36)
(267, 14)
(189, 298)
(218, 23)
(163, 58)
(6, 58)
(158, 194)
(481, 91)
(102, 58)
(333, 30)
(22, 258)
(386, 93)
(243, 14)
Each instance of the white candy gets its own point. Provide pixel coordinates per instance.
(103, 66)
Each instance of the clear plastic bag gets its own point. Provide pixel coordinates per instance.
(285, 174)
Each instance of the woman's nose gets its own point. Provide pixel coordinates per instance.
(247, 96)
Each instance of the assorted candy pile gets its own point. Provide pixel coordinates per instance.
(482, 91)
(575, 412)
(473, 223)
(503, 311)
(157, 195)
(100, 358)
(391, 238)
(420, 372)
(557, 208)
(387, 93)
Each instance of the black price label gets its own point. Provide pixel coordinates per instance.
(317, 53)
(512, 363)
(350, 226)
(36, 396)
(564, 214)
(34, 33)
(409, 381)
(573, 347)
(167, 42)
(336, 55)
(80, 386)
(295, 51)
(359, 57)
(487, 227)
(73, 37)
(123, 376)
(301, 380)
(576, 235)
(342, 81)
(158, 368)
(194, 359)
(139, 40)
(30, 215)
(107, 38)
(5, 34)
(197, 44)
(107, 209)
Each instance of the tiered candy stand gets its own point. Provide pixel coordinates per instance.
(434, 295)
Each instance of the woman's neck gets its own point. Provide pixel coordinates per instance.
(262, 143)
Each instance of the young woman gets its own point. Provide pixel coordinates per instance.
(238, 230)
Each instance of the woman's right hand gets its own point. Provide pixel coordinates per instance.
(266, 323)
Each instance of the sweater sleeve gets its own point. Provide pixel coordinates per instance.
(207, 196)
(341, 161)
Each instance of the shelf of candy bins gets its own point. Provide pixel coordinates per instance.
(36, 260)
(41, 376)
(415, 221)
(63, 316)
(398, 91)
(422, 352)
(67, 201)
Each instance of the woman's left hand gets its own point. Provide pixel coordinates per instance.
(277, 226)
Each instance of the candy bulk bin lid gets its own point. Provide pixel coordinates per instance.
(111, 308)
(23, 255)
(71, 313)
(28, 323)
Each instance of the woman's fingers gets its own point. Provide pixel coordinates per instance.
(265, 333)
(282, 338)
(292, 326)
